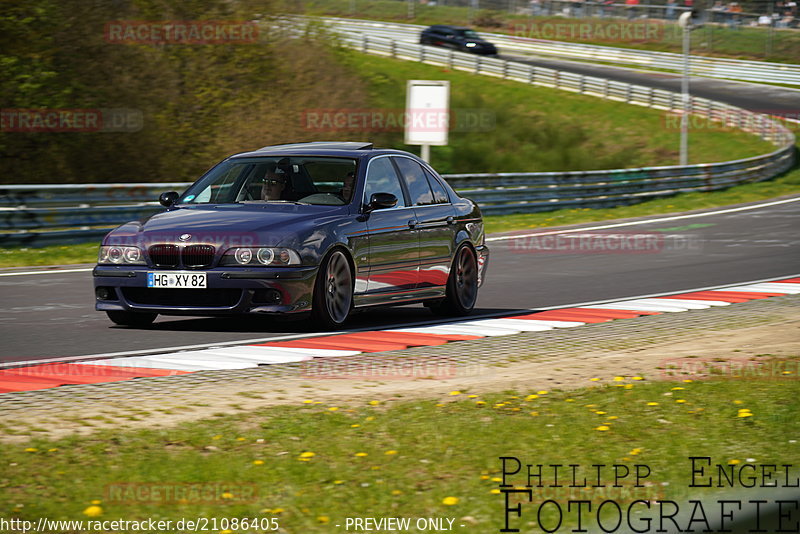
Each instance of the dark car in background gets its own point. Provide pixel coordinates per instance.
(457, 38)
(318, 227)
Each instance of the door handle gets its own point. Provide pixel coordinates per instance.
(412, 223)
(451, 220)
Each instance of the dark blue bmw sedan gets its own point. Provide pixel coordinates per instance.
(318, 227)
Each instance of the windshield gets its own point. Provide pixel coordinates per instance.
(471, 34)
(304, 179)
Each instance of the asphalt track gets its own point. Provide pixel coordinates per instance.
(51, 314)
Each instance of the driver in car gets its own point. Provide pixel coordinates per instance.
(273, 186)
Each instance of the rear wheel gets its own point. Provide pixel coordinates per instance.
(333, 290)
(462, 285)
(124, 318)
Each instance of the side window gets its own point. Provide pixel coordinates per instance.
(439, 192)
(415, 179)
(382, 178)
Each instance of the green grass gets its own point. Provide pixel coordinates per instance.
(405, 458)
(713, 39)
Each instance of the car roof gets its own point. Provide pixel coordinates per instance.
(322, 148)
(449, 27)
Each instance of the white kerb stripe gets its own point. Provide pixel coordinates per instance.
(628, 305)
(708, 303)
(511, 324)
(484, 331)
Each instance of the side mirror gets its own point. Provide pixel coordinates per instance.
(168, 199)
(380, 201)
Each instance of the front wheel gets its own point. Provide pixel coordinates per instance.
(333, 291)
(124, 318)
(462, 285)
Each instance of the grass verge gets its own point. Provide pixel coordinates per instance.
(312, 465)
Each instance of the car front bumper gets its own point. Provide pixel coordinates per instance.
(228, 291)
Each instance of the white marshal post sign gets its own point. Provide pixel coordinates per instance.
(427, 114)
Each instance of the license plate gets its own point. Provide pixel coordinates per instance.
(178, 279)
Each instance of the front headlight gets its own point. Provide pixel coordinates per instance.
(471, 45)
(118, 255)
(266, 256)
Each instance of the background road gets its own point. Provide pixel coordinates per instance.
(52, 315)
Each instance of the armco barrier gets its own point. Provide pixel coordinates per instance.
(39, 215)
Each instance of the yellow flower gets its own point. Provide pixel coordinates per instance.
(397, 492)
(440, 405)
(355, 425)
(569, 400)
(479, 403)
(534, 414)
(494, 491)
(497, 479)
(31, 449)
(218, 436)
(240, 439)
(484, 477)
(652, 404)
(612, 417)
(628, 386)
(543, 392)
(337, 482)
(634, 452)
(226, 531)
(93, 511)
(52, 450)
(307, 401)
(258, 462)
(680, 401)
(590, 405)
(688, 380)
(307, 454)
(227, 495)
(390, 452)
(598, 412)
(450, 501)
(602, 428)
(370, 418)
(619, 378)
(678, 388)
(744, 410)
(637, 378)
(472, 396)
(745, 414)
(734, 462)
(277, 511)
(323, 519)
(455, 392)
(594, 379)
(361, 454)
(531, 397)
(374, 402)
(333, 409)
(737, 402)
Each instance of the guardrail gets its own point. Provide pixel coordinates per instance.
(732, 69)
(32, 214)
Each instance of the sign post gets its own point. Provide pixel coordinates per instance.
(427, 114)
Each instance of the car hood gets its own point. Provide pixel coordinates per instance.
(228, 224)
